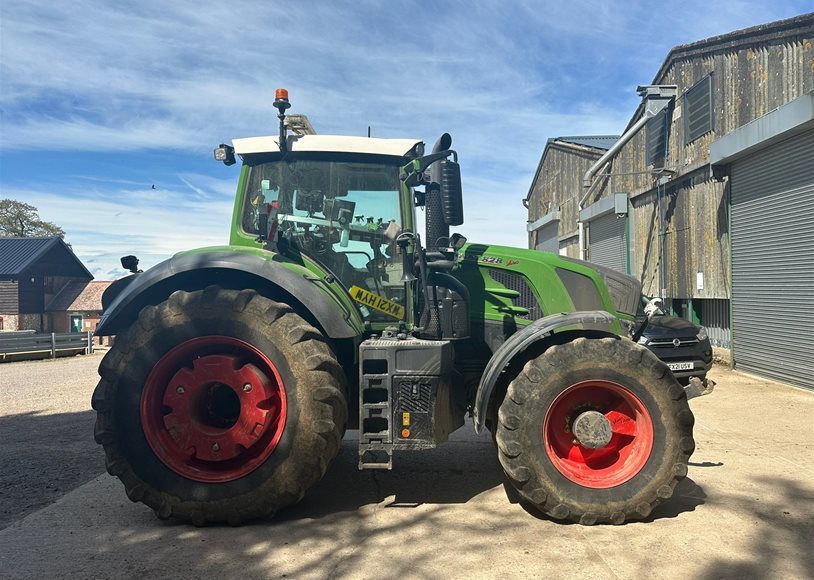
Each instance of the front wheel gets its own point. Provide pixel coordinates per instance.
(219, 405)
(595, 431)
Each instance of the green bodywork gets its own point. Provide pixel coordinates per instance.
(491, 300)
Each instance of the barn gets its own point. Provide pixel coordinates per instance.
(707, 196)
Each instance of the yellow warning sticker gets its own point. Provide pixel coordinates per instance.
(377, 302)
(405, 419)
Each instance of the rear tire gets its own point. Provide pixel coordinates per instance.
(630, 469)
(219, 406)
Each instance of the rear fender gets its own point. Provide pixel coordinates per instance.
(232, 270)
(595, 322)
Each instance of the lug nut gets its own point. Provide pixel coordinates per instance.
(179, 390)
(247, 387)
(215, 447)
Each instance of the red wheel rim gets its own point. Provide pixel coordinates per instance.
(213, 409)
(624, 455)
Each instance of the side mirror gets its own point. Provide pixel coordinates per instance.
(130, 263)
(452, 202)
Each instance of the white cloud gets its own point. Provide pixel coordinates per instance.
(97, 76)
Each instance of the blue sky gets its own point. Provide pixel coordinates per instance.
(101, 101)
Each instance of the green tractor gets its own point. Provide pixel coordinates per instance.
(236, 369)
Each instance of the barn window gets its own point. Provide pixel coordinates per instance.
(699, 109)
(656, 139)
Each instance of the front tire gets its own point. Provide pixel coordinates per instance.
(595, 431)
(219, 406)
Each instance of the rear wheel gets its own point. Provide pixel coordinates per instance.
(219, 405)
(595, 431)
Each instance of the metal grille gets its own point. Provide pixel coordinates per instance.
(656, 139)
(418, 402)
(715, 317)
(669, 342)
(698, 109)
(518, 283)
(772, 198)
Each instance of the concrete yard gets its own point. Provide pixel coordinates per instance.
(746, 509)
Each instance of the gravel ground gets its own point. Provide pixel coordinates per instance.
(746, 510)
(46, 432)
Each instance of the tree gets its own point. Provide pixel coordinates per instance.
(21, 220)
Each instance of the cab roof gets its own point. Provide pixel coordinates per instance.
(326, 143)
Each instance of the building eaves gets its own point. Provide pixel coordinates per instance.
(583, 143)
(747, 36)
(18, 254)
(602, 142)
(798, 25)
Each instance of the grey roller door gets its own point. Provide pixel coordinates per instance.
(547, 237)
(607, 242)
(772, 199)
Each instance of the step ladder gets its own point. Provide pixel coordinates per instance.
(375, 422)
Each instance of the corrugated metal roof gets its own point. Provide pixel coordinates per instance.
(603, 142)
(17, 254)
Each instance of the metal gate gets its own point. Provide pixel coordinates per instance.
(772, 205)
(607, 242)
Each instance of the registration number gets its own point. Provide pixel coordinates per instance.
(680, 366)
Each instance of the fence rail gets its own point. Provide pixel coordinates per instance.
(17, 345)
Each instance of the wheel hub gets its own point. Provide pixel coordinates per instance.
(592, 429)
(215, 419)
(213, 409)
(598, 434)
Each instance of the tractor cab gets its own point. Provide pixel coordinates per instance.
(348, 205)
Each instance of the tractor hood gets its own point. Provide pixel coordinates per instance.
(590, 287)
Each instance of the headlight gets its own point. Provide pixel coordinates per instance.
(702, 334)
(643, 340)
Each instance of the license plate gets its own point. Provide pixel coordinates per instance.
(681, 366)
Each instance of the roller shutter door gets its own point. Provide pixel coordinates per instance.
(547, 237)
(607, 242)
(772, 205)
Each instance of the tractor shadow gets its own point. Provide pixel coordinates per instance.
(453, 473)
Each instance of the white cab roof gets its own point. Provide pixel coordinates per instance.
(326, 143)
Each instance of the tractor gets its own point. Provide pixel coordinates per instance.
(236, 369)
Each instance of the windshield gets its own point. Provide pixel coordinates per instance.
(344, 214)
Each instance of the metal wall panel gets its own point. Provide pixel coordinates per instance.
(548, 237)
(607, 242)
(772, 196)
(715, 317)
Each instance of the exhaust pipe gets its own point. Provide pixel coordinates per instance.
(436, 228)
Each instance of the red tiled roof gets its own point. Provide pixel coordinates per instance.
(80, 296)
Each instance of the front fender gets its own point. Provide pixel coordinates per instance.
(235, 270)
(596, 320)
